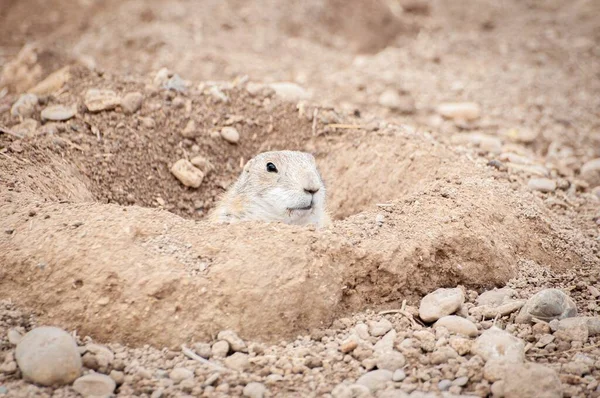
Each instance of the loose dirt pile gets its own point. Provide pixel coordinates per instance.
(98, 236)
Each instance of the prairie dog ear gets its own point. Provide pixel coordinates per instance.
(248, 165)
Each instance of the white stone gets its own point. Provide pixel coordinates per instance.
(95, 385)
(254, 390)
(238, 361)
(495, 343)
(25, 105)
(541, 184)
(132, 102)
(58, 113)
(440, 303)
(180, 374)
(375, 380)
(230, 134)
(185, 172)
(458, 325)
(97, 100)
(288, 91)
(235, 342)
(459, 110)
(379, 328)
(48, 355)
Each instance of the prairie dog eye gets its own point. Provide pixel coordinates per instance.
(271, 168)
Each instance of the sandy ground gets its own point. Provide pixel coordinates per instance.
(98, 236)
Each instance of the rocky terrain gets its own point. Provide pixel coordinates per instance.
(460, 146)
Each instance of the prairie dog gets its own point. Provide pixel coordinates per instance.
(279, 186)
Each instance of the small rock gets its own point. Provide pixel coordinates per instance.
(577, 368)
(485, 142)
(390, 360)
(117, 376)
(238, 361)
(132, 102)
(458, 325)
(348, 346)
(461, 345)
(54, 82)
(525, 136)
(290, 91)
(148, 122)
(547, 305)
(180, 374)
(444, 385)
(496, 297)
(544, 340)
(502, 310)
(202, 349)
(103, 356)
(440, 303)
(541, 184)
(14, 337)
(530, 380)
(590, 172)
(185, 172)
(58, 113)
(442, 355)
(254, 390)
(101, 100)
(379, 328)
(190, 130)
(573, 329)
(235, 343)
(25, 105)
(375, 380)
(48, 355)
(386, 343)
(461, 381)
(459, 110)
(230, 134)
(220, 349)
(392, 100)
(95, 385)
(495, 343)
(362, 331)
(399, 375)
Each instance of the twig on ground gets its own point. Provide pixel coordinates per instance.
(10, 132)
(191, 354)
(346, 126)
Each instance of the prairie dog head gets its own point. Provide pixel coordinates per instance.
(282, 186)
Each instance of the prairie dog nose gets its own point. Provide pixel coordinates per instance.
(312, 190)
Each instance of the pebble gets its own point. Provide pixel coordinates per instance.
(58, 113)
(187, 174)
(461, 345)
(459, 110)
(531, 380)
(288, 91)
(117, 376)
(444, 385)
(24, 106)
(235, 342)
(54, 82)
(488, 312)
(132, 102)
(97, 100)
(386, 343)
(189, 131)
(220, 349)
(461, 381)
(348, 346)
(14, 336)
(495, 343)
(457, 325)
(577, 368)
(342, 391)
(230, 134)
(546, 305)
(238, 361)
(48, 355)
(399, 375)
(379, 328)
(202, 349)
(440, 303)
(484, 142)
(394, 101)
(180, 374)
(590, 172)
(95, 385)
(102, 356)
(254, 390)
(390, 360)
(573, 329)
(375, 380)
(525, 136)
(496, 297)
(541, 184)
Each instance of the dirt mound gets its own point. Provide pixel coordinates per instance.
(437, 220)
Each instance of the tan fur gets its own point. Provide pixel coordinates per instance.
(295, 194)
